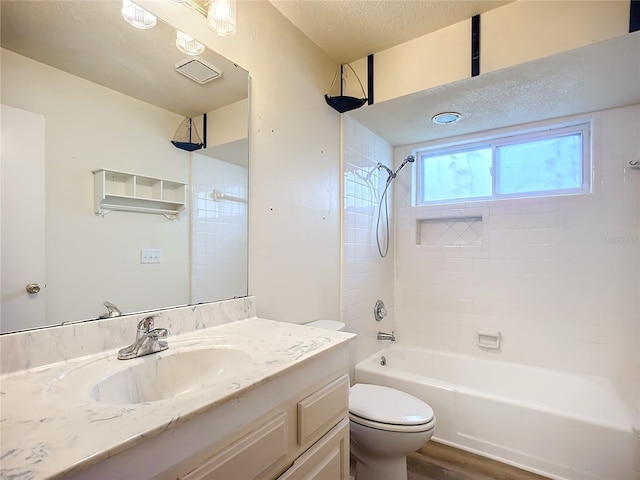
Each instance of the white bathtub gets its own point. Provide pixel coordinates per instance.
(559, 425)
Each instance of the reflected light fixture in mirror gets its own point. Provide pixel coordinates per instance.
(137, 16)
(221, 17)
(187, 44)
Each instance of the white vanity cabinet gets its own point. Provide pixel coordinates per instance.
(294, 426)
(308, 432)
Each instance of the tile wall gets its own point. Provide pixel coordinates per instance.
(219, 230)
(367, 277)
(559, 277)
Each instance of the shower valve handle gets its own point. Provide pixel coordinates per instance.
(379, 310)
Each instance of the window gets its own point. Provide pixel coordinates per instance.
(543, 163)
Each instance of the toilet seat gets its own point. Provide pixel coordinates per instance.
(391, 427)
(388, 409)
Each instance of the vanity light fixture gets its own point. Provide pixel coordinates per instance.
(188, 45)
(137, 16)
(446, 118)
(221, 17)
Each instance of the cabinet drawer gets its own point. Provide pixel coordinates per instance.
(321, 410)
(248, 457)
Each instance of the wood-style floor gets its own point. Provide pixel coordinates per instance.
(436, 461)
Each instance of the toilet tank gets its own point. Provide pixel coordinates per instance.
(327, 324)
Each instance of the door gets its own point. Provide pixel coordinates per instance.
(22, 219)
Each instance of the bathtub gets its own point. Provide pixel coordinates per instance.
(556, 424)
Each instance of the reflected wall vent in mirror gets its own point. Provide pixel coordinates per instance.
(198, 70)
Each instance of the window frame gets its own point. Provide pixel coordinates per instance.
(496, 141)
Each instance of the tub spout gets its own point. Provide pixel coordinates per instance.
(386, 336)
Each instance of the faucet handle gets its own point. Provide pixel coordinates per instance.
(146, 325)
(159, 333)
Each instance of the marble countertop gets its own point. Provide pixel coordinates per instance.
(51, 426)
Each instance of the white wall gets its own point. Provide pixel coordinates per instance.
(367, 277)
(89, 127)
(294, 175)
(227, 124)
(557, 276)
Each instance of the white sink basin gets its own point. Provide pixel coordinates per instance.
(169, 374)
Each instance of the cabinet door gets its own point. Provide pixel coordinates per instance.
(321, 410)
(328, 459)
(248, 457)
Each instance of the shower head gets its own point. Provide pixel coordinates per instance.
(393, 174)
(409, 159)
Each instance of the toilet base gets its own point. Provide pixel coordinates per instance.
(385, 469)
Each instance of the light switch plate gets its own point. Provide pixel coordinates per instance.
(150, 255)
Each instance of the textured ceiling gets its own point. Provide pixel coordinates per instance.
(600, 76)
(90, 39)
(348, 30)
(591, 78)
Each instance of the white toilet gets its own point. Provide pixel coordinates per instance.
(385, 424)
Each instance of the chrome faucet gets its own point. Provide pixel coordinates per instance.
(386, 336)
(147, 340)
(112, 311)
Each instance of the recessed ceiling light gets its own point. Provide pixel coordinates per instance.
(445, 118)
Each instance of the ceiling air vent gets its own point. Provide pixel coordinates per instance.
(198, 70)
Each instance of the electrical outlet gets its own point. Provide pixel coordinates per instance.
(150, 255)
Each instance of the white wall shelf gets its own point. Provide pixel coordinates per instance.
(135, 193)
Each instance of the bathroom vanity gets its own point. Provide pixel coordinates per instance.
(252, 398)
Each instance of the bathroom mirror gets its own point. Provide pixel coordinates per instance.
(98, 93)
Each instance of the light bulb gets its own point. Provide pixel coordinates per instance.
(221, 17)
(188, 45)
(137, 16)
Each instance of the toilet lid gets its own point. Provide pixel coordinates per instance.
(387, 405)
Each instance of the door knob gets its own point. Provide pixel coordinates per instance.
(33, 288)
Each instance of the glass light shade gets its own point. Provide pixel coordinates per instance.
(137, 16)
(221, 17)
(188, 45)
